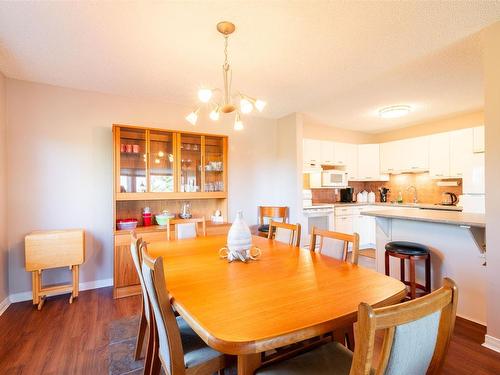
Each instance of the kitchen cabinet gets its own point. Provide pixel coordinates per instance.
(416, 154)
(478, 139)
(461, 150)
(327, 154)
(346, 154)
(390, 157)
(344, 224)
(312, 151)
(439, 155)
(365, 227)
(369, 163)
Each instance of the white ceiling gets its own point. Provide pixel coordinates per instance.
(338, 62)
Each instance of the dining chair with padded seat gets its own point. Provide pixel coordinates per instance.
(284, 232)
(177, 348)
(329, 242)
(270, 213)
(416, 336)
(135, 251)
(187, 228)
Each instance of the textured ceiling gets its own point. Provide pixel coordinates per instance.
(338, 62)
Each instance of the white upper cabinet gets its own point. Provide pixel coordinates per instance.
(461, 150)
(414, 154)
(350, 159)
(439, 155)
(479, 139)
(369, 163)
(312, 151)
(327, 152)
(342, 153)
(390, 157)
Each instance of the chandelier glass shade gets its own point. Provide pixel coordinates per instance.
(225, 100)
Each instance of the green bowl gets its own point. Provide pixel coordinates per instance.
(162, 220)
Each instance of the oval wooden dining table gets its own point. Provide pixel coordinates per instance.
(286, 296)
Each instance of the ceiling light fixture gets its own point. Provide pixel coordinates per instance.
(394, 111)
(225, 102)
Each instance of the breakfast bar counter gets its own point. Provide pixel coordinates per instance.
(458, 250)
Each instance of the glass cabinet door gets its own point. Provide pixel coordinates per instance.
(214, 164)
(190, 163)
(133, 161)
(161, 162)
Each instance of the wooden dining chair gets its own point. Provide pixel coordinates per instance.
(176, 347)
(284, 232)
(335, 238)
(187, 228)
(136, 252)
(416, 336)
(270, 213)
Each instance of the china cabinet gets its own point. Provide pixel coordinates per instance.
(161, 169)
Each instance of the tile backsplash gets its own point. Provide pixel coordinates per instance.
(427, 189)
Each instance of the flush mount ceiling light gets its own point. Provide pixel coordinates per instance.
(394, 111)
(225, 101)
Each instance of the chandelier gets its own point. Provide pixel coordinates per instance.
(223, 100)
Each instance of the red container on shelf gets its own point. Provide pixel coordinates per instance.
(147, 219)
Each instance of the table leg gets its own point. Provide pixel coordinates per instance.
(35, 287)
(248, 363)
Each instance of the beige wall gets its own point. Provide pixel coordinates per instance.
(4, 287)
(60, 165)
(466, 120)
(491, 61)
(316, 130)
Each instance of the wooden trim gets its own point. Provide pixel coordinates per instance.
(202, 163)
(164, 196)
(141, 127)
(225, 164)
(127, 291)
(148, 162)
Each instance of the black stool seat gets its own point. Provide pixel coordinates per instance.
(407, 248)
(264, 228)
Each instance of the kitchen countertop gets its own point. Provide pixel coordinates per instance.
(433, 216)
(428, 206)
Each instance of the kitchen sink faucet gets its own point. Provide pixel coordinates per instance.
(415, 196)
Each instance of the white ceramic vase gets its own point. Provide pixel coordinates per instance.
(239, 239)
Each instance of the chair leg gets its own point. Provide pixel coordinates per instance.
(141, 335)
(402, 270)
(413, 286)
(349, 337)
(155, 360)
(387, 272)
(428, 274)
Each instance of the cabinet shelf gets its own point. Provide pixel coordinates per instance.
(172, 196)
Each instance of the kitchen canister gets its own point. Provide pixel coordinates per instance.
(371, 197)
(239, 242)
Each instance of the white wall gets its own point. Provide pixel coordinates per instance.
(60, 165)
(4, 287)
(491, 60)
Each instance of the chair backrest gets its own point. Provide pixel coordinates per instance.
(416, 334)
(284, 232)
(336, 238)
(136, 252)
(187, 228)
(273, 212)
(169, 338)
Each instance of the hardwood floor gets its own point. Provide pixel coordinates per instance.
(73, 339)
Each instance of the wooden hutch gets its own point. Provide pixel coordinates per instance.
(160, 169)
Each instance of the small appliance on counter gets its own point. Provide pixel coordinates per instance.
(448, 199)
(346, 194)
(383, 194)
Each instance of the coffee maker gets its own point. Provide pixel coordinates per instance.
(346, 194)
(383, 194)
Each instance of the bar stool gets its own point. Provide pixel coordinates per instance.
(411, 251)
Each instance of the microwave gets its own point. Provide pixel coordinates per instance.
(334, 178)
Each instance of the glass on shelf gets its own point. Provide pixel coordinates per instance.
(214, 164)
(161, 162)
(190, 163)
(132, 160)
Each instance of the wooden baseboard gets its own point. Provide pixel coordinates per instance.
(127, 291)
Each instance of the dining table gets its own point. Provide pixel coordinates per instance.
(287, 295)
